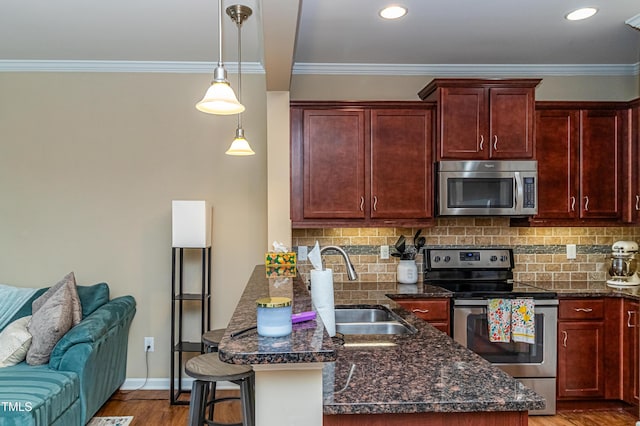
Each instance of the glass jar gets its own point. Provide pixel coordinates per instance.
(407, 272)
(274, 316)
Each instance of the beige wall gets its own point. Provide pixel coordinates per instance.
(332, 87)
(89, 164)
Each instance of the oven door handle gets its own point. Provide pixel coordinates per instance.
(485, 302)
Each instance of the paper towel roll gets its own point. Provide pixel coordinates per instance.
(322, 298)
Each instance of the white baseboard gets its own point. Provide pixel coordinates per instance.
(163, 384)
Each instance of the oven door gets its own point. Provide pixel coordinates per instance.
(471, 329)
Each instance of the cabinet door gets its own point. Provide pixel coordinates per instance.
(557, 138)
(434, 311)
(580, 359)
(600, 174)
(511, 123)
(401, 176)
(634, 165)
(630, 373)
(333, 152)
(462, 124)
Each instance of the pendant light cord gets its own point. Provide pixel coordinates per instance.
(219, 33)
(239, 22)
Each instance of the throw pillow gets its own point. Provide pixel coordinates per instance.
(70, 281)
(15, 340)
(53, 315)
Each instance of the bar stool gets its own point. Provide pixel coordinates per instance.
(207, 369)
(212, 338)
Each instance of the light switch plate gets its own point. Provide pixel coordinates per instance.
(384, 252)
(302, 252)
(571, 251)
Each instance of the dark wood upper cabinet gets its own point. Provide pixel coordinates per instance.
(579, 147)
(401, 184)
(361, 164)
(483, 119)
(557, 141)
(631, 166)
(333, 152)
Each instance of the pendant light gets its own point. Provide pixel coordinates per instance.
(219, 98)
(239, 146)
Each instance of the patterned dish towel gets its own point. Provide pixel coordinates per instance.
(499, 319)
(523, 326)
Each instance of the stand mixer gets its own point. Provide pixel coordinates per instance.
(623, 267)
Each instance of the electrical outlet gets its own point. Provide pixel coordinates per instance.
(302, 252)
(148, 344)
(384, 252)
(571, 251)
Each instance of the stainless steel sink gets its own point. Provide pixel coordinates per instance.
(358, 314)
(358, 320)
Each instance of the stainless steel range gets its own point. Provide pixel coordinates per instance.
(478, 275)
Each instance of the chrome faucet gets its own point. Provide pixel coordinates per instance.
(351, 272)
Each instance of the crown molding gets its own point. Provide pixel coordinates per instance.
(634, 22)
(469, 69)
(462, 70)
(184, 67)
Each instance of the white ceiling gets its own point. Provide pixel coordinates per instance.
(335, 36)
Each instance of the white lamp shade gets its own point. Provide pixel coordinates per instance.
(240, 146)
(190, 224)
(220, 100)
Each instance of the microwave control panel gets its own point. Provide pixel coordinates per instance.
(529, 192)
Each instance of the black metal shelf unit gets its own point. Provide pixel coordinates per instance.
(178, 345)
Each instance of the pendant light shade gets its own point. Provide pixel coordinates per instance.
(219, 98)
(240, 146)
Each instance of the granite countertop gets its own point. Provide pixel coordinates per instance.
(423, 372)
(307, 343)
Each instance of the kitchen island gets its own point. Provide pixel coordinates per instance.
(380, 379)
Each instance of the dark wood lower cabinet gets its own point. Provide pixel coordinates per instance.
(630, 349)
(581, 359)
(434, 311)
(495, 418)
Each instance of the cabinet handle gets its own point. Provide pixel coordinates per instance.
(583, 310)
(586, 203)
(495, 142)
(420, 311)
(564, 338)
(481, 142)
(375, 203)
(361, 204)
(629, 315)
(573, 204)
(637, 202)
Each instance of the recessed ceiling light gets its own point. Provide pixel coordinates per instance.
(393, 12)
(579, 14)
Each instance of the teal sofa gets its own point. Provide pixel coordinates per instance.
(87, 365)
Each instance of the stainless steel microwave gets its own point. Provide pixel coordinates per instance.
(487, 188)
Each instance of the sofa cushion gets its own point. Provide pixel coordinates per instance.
(54, 314)
(92, 297)
(68, 281)
(15, 340)
(37, 393)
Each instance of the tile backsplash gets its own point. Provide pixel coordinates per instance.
(540, 253)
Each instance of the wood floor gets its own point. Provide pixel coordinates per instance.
(153, 408)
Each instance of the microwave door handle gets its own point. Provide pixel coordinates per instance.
(518, 190)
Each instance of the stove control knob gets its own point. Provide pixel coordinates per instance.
(503, 258)
(436, 259)
(447, 258)
(493, 258)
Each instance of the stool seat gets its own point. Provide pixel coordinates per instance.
(209, 367)
(212, 338)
